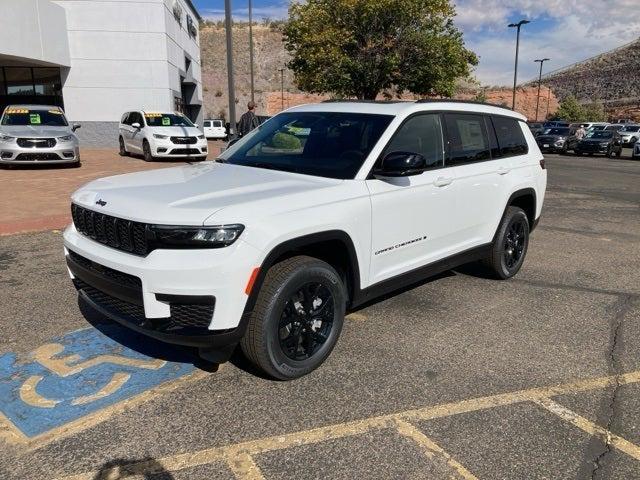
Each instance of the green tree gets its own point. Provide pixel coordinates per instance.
(595, 112)
(359, 48)
(570, 110)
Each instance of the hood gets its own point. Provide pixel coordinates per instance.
(189, 195)
(595, 140)
(34, 131)
(176, 131)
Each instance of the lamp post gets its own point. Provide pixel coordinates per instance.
(515, 73)
(281, 70)
(541, 61)
(253, 98)
(232, 91)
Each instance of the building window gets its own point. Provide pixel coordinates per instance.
(47, 81)
(178, 104)
(3, 87)
(19, 81)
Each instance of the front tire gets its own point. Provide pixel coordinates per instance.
(510, 245)
(146, 151)
(297, 318)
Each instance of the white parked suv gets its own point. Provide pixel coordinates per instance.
(315, 212)
(215, 129)
(160, 135)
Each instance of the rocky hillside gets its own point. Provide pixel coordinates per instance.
(270, 57)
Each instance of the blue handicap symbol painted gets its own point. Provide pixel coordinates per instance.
(77, 374)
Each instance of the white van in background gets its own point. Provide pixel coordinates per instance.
(214, 129)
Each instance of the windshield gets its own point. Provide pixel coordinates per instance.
(601, 134)
(34, 117)
(630, 129)
(326, 144)
(167, 120)
(557, 131)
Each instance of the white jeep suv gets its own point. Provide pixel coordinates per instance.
(160, 135)
(315, 212)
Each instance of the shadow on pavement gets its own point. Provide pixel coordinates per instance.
(147, 468)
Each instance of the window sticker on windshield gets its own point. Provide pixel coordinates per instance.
(166, 121)
(152, 115)
(17, 111)
(34, 119)
(57, 112)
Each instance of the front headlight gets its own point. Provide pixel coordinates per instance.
(6, 138)
(161, 137)
(201, 137)
(169, 236)
(604, 144)
(66, 138)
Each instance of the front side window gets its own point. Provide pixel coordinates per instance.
(511, 140)
(420, 134)
(34, 117)
(207, 123)
(467, 137)
(167, 120)
(325, 144)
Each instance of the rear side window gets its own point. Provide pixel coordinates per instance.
(125, 119)
(510, 137)
(420, 134)
(217, 123)
(467, 137)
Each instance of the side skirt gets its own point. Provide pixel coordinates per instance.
(414, 276)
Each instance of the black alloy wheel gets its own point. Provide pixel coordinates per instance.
(306, 321)
(514, 243)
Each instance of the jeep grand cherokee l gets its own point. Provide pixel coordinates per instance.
(317, 211)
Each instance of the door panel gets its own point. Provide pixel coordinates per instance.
(411, 224)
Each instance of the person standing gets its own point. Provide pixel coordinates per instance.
(248, 120)
(581, 132)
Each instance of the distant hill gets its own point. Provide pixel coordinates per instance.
(612, 77)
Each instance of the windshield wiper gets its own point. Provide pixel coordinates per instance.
(220, 160)
(271, 166)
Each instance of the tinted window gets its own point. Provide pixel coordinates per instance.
(217, 123)
(326, 144)
(34, 117)
(207, 123)
(135, 117)
(510, 137)
(467, 138)
(493, 138)
(167, 120)
(19, 81)
(47, 81)
(125, 119)
(420, 134)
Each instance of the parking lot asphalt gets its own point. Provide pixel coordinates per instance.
(458, 377)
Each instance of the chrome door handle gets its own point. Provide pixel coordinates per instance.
(503, 170)
(442, 181)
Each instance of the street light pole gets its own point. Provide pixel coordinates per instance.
(253, 98)
(232, 91)
(281, 87)
(515, 72)
(541, 61)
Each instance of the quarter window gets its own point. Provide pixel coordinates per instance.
(420, 134)
(510, 137)
(467, 137)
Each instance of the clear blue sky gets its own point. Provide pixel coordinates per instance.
(566, 31)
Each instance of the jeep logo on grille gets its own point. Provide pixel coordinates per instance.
(101, 202)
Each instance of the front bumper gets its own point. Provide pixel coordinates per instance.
(185, 297)
(12, 153)
(165, 148)
(592, 149)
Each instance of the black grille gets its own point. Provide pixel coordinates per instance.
(185, 151)
(185, 318)
(115, 275)
(37, 156)
(184, 140)
(115, 232)
(36, 142)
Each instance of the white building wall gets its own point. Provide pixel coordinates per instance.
(124, 55)
(33, 31)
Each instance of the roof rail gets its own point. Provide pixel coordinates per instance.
(349, 100)
(452, 100)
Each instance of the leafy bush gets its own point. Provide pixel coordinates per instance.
(285, 141)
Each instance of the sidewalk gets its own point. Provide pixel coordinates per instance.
(37, 198)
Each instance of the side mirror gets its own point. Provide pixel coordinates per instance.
(136, 125)
(196, 125)
(75, 126)
(401, 164)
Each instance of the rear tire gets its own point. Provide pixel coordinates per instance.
(297, 318)
(510, 244)
(146, 151)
